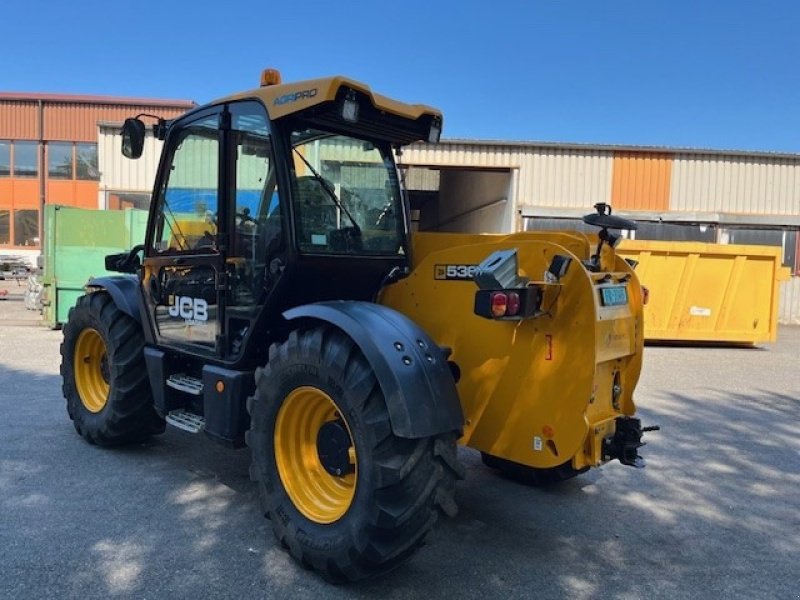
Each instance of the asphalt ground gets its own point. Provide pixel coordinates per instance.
(716, 513)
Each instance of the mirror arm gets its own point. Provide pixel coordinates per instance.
(159, 127)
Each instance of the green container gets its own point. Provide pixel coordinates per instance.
(77, 241)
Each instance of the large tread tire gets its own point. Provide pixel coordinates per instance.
(531, 475)
(128, 415)
(403, 485)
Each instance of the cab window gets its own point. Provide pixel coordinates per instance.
(347, 195)
(188, 202)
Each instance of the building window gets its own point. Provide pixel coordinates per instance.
(26, 227)
(784, 239)
(676, 232)
(26, 162)
(124, 200)
(5, 159)
(59, 160)
(86, 162)
(5, 226)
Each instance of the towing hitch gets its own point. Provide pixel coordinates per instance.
(626, 442)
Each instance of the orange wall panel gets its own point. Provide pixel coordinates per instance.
(6, 192)
(82, 194)
(641, 181)
(25, 193)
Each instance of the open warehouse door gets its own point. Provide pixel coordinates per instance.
(464, 200)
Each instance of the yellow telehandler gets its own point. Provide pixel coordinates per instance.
(278, 300)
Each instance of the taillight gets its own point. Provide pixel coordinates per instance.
(513, 304)
(508, 304)
(500, 304)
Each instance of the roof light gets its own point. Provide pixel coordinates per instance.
(270, 77)
(350, 108)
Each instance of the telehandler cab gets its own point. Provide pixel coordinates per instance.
(279, 301)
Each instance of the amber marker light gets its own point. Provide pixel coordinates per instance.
(270, 77)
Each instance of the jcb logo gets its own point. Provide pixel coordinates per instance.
(191, 309)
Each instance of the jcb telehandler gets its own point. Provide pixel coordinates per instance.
(279, 301)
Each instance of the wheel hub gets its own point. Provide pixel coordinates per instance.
(315, 455)
(91, 370)
(333, 446)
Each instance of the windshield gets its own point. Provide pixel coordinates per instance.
(347, 197)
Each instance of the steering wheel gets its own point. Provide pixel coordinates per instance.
(244, 217)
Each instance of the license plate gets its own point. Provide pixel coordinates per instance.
(614, 296)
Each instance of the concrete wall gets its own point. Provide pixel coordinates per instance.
(472, 202)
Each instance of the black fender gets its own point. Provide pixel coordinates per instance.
(411, 369)
(124, 291)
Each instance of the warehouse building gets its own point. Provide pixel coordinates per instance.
(729, 197)
(48, 155)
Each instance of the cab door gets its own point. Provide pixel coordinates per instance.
(184, 275)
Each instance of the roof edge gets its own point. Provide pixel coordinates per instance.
(90, 99)
(619, 148)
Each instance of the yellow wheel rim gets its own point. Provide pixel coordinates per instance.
(319, 495)
(90, 366)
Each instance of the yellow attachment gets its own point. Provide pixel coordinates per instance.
(318, 495)
(709, 292)
(541, 391)
(90, 366)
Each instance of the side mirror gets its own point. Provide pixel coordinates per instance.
(133, 133)
(125, 262)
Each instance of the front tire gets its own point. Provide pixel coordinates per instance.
(345, 495)
(104, 377)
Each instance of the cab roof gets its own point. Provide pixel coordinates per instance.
(288, 98)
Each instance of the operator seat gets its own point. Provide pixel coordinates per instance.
(315, 212)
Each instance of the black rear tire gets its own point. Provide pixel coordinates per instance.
(402, 486)
(127, 414)
(531, 475)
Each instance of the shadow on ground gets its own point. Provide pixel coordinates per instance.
(715, 513)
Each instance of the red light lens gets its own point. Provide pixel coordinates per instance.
(499, 304)
(513, 304)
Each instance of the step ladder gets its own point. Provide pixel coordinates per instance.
(185, 383)
(183, 419)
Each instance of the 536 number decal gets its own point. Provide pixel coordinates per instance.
(462, 272)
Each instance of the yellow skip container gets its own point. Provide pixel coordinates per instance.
(708, 292)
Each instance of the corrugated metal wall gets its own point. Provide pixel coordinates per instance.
(122, 174)
(548, 177)
(789, 307)
(19, 120)
(461, 155)
(68, 121)
(564, 179)
(78, 122)
(737, 184)
(641, 181)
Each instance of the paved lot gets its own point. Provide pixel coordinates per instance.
(715, 514)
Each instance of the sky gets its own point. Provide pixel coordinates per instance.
(701, 74)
